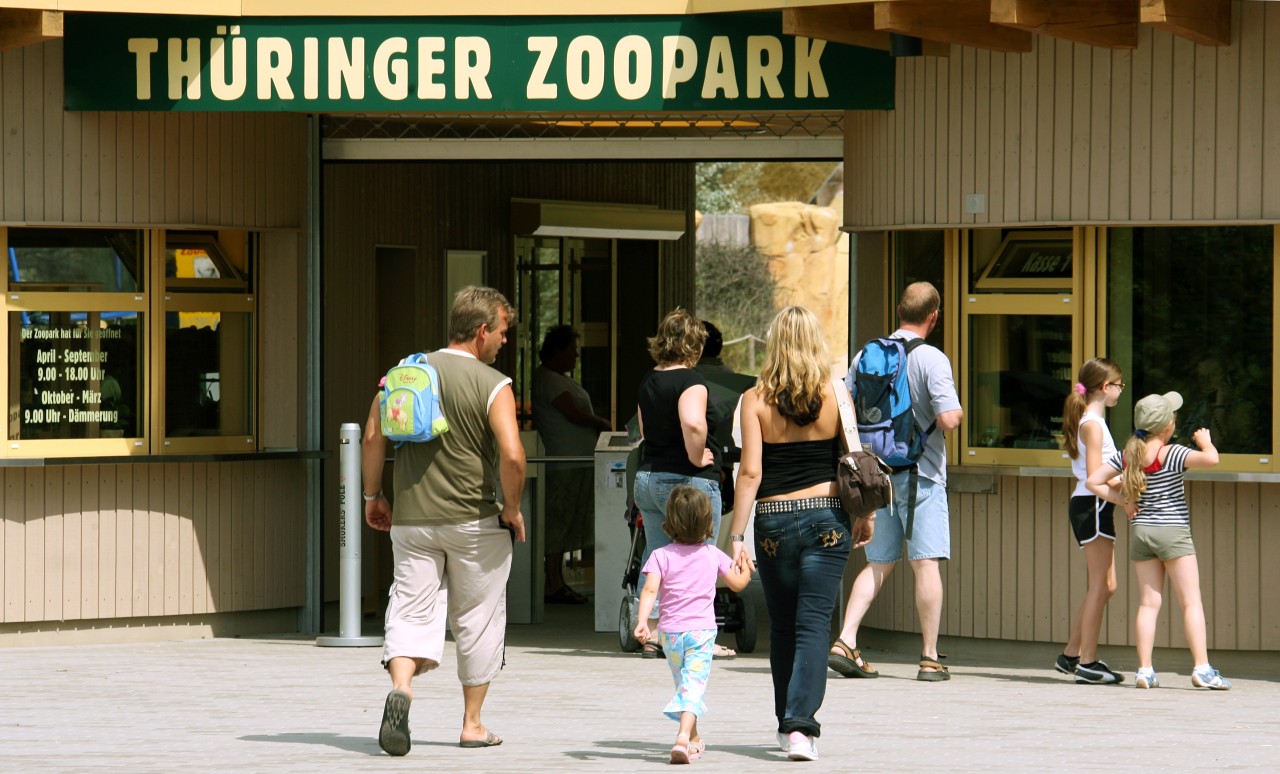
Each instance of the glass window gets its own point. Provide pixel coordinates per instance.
(1019, 374)
(920, 256)
(76, 260)
(208, 374)
(1190, 309)
(1020, 260)
(78, 375)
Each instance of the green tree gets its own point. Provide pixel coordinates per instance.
(735, 291)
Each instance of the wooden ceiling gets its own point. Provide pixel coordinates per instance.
(1009, 25)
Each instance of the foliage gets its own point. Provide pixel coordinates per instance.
(735, 291)
(734, 186)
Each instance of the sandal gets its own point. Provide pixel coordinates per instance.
(651, 649)
(680, 750)
(720, 651)
(850, 663)
(938, 675)
(696, 749)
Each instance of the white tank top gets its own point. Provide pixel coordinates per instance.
(1079, 464)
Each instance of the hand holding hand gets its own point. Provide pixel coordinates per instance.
(741, 559)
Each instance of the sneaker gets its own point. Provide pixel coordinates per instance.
(1146, 678)
(1066, 664)
(802, 747)
(1097, 673)
(393, 735)
(784, 743)
(1210, 678)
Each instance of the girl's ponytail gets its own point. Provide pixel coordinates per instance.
(1134, 480)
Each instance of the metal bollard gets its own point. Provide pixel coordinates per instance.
(350, 522)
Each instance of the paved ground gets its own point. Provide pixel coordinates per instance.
(569, 700)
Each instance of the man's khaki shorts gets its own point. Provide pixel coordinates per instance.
(1163, 543)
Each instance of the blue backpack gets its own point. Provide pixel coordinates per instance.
(410, 402)
(882, 403)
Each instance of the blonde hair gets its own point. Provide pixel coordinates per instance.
(1094, 375)
(689, 518)
(679, 339)
(795, 372)
(474, 306)
(1133, 481)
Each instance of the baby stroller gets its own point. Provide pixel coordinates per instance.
(735, 614)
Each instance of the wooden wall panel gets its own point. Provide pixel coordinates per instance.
(141, 168)
(137, 540)
(1016, 573)
(1171, 132)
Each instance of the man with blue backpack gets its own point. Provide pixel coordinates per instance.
(454, 418)
(905, 399)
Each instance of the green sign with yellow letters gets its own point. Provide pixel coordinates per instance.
(709, 63)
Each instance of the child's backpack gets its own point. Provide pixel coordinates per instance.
(882, 403)
(410, 402)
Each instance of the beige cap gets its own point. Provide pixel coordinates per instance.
(1154, 412)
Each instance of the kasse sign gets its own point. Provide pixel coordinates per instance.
(718, 62)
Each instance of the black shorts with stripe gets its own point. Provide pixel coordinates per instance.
(1091, 518)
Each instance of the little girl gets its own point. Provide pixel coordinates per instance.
(685, 571)
(1151, 492)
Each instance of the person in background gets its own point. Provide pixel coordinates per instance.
(1153, 493)
(1088, 442)
(450, 530)
(685, 571)
(724, 389)
(568, 426)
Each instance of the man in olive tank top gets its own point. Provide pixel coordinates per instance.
(451, 530)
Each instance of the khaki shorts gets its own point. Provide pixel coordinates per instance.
(1163, 543)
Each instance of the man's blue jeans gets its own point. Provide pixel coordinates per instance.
(801, 556)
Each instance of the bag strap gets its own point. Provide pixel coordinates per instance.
(851, 440)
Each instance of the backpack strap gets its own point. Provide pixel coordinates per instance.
(913, 480)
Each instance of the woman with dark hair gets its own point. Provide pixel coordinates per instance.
(567, 423)
(791, 440)
(678, 440)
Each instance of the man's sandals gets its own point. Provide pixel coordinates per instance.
(939, 673)
(849, 663)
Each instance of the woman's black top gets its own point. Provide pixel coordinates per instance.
(790, 467)
(659, 399)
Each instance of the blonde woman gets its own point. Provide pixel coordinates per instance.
(791, 439)
(678, 443)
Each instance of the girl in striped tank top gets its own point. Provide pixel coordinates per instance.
(1152, 493)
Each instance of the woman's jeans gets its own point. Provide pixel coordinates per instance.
(801, 557)
(651, 492)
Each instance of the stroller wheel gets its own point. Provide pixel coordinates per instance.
(627, 624)
(746, 633)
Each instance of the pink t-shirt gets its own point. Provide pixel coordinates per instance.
(688, 587)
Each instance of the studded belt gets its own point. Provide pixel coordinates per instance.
(790, 506)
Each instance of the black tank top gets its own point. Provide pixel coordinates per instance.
(789, 467)
(659, 399)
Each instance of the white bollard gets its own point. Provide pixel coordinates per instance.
(350, 522)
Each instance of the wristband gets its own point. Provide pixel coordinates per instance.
(370, 498)
(737, 538)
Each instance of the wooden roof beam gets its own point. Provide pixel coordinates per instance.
(1106, 23)
(1207, 22)
(852, 25)
(23, 27)
(964, 22)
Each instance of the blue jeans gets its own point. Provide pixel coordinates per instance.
(651, 492)
(801, 556)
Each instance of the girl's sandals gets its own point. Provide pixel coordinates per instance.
(680, 752)
(849, 663)
(938, 674)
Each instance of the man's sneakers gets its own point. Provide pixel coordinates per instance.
(1066, 664)
(1146, 678)
(1097, 673)
(1208, 677)
(393, 736)
(801, 747)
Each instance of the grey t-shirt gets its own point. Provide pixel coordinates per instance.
(933, 391)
